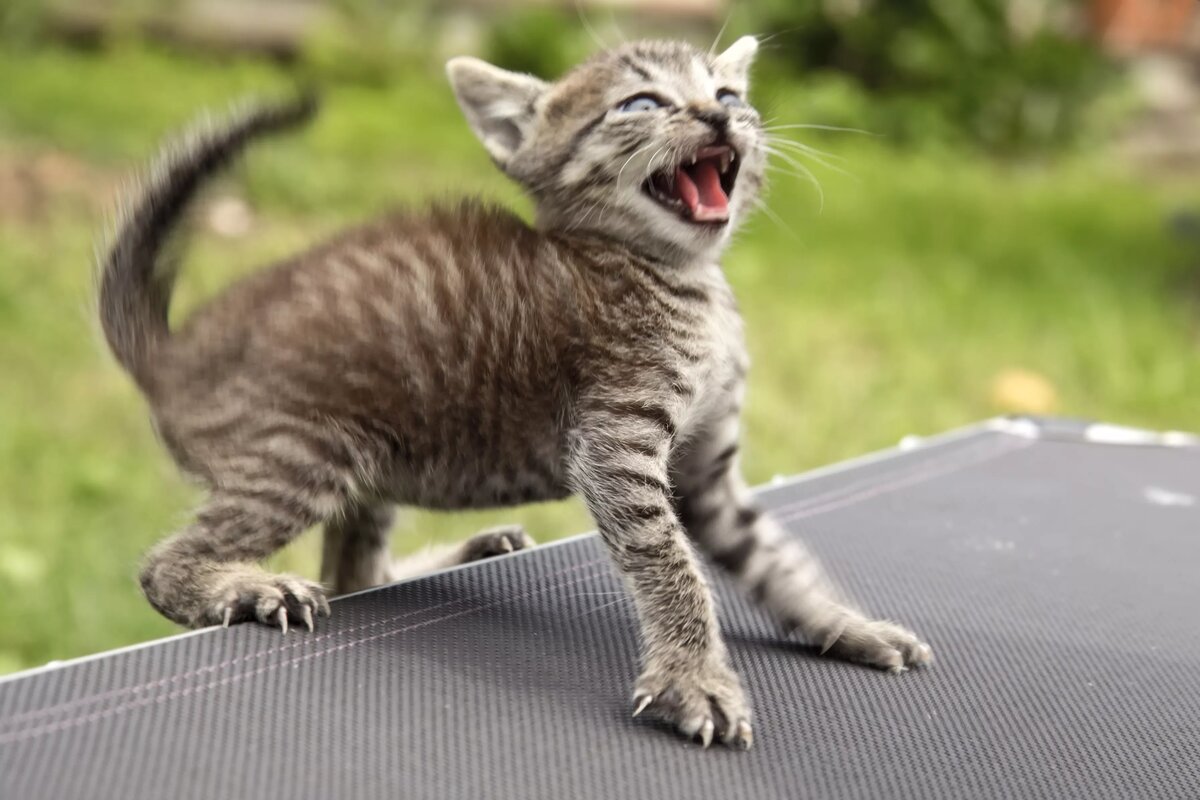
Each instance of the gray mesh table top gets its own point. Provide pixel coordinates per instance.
(1058, 580)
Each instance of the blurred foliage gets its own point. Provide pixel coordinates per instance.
(21, 22)
(543, 41)
(370, 41)
(1002, 74)
(1005, 76)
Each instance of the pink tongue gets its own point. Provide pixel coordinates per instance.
(699, 188)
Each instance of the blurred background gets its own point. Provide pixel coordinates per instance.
(1010, 224)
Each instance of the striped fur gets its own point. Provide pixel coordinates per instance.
(461, 358)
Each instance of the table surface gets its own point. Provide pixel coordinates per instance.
(1056, 577)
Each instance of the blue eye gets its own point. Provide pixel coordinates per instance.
(642, 102)
(728, 98)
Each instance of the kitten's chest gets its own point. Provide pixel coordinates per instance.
(715, 377)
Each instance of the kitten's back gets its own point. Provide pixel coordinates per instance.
(456, 334)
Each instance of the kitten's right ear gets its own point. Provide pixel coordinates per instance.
(498, 104)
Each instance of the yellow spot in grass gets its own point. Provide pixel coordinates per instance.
(1023, 391)
(21, 566)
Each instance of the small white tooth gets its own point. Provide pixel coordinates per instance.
(693, 161)
(732, 155)
(724, 163)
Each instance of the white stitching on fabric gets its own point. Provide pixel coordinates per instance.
(20, 736)
(301, 642)
(802, 509)
(812, 507)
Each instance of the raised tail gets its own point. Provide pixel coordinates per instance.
(135, 279)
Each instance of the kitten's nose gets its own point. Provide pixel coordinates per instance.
(716, 117)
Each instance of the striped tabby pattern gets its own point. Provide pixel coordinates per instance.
(460, 358)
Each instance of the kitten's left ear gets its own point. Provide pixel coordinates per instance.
(736, 60)
(498, 104)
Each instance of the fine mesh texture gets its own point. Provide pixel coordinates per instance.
(1055, 579)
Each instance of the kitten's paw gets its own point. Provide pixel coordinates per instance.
(876, 643)
(495, 542)
(273, 600)
(700, 702)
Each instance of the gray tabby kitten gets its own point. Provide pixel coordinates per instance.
(461, 359)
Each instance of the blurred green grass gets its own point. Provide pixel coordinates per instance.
(887, 311)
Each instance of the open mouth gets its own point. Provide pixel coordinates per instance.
(697, 188)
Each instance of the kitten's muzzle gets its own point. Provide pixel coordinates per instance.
(716, 118)
(698, 187)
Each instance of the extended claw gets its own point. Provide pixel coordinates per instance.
(642, 702)
(283, 619)
(741, 736)
(228, 616)
(306, 615)
(505, 544)
(706, 733)
(832, 638)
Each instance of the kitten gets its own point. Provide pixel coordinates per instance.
(461, 359)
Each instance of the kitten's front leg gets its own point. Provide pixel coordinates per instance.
(619, 466)
(775, 568)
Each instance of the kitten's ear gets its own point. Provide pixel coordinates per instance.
(736, 60)
(498, 104)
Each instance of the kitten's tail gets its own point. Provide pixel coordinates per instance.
(135, 277)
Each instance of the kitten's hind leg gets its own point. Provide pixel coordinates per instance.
(488, 543)
(355, 554)
(207, 574)
(777, 570)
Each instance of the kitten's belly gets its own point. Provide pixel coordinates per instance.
(465, 483)
(474, 464)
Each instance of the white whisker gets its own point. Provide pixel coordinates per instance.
(712, 48)
(762, 206)
(636, 153)
(808, 148)
(819, 128)
(813, 154)
(802, 172)
(617, 183)
(587, 26)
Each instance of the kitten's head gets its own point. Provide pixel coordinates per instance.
(653, 143)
